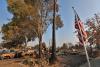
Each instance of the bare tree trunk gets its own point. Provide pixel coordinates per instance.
(40, 46)
(25, 41)
(53, 55)
(25, 44)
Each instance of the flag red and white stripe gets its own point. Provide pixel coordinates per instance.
(80, 29)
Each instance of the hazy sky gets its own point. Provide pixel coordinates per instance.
(85, 9)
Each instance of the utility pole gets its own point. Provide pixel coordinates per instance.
(53, 51)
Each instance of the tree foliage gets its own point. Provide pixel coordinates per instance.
(94, 29)
(31, 19)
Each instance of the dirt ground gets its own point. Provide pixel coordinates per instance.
(18, 63)
(63, 61)
(11, 63)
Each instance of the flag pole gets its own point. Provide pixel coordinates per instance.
(87, 57)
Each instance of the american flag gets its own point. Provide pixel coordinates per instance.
(82, 36)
